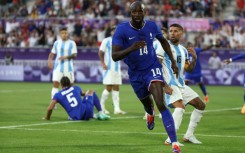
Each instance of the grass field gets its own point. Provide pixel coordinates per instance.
(22, 130)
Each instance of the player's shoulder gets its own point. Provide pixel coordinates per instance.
(122, 24)
(150, 22)
(56, 42)
(71, 41)
(107, 39)
(182, 47)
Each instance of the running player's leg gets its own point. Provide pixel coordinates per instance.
(156, 90)
(175, 101)
(193, 99)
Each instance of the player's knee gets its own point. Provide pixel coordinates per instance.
(201, 105)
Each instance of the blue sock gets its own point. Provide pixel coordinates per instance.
(168, 123)
(203, 88)
(97, 102)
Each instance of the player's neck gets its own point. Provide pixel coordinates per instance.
(137, 25)
(175, 44)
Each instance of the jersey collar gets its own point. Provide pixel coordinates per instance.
(136, 28)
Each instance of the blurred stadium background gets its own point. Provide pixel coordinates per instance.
(28, 29)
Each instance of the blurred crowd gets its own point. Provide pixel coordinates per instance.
(31, 23)
(38, 9)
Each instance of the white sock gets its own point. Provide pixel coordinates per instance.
(54, 91)
(104, 97)
(115, 99)
(177, 116)
(196, 116)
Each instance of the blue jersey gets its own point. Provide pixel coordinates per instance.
(71, 100)
(197, 71)
(125, 35)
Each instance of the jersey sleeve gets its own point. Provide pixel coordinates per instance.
(159, 50)
(117, 38)
(56, 97)
(54, 49)
(74, 48)
(103, 46)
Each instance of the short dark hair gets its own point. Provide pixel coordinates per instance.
(65, 81)
(164, 29)
(63, 28)
(177, 25)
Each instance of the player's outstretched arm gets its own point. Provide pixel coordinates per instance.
(50, 110)
(191, 65)
(118, 53)
(207, 48)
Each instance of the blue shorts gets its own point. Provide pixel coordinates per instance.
(141, 80)
(89, 111)
(194, 79)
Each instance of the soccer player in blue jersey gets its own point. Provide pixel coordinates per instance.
(182, 94)
(76, 107)
(65, 51)
(196, 75)
(237, 57)
(133, 42)
(112, 76)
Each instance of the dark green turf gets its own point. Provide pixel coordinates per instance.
(221, 131)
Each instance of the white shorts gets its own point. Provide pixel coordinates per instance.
(112, 77)
(57, 75)
(186, 94)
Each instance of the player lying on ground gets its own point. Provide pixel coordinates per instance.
(77, 108)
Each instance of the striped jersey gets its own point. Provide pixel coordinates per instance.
(106, 47)
(180, 55)
(64, 48)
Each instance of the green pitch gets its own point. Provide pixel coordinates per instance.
(22, 130)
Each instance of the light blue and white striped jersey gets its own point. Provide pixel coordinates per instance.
(106, 47)
(64, 48)
(180, 54)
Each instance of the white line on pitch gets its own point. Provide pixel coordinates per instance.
(125, 132)
(114, 118)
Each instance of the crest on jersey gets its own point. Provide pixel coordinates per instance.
(151, 35)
